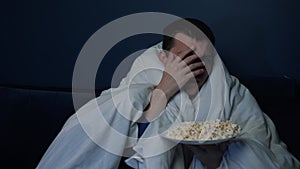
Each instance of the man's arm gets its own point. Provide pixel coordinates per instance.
(177, 73)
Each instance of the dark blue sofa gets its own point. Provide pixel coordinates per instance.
(32, 116)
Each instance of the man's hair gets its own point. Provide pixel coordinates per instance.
(188, 26)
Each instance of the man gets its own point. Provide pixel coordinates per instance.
(184, 71)
(186, 81)
(189, 61)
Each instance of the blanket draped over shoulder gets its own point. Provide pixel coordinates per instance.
(106, 128)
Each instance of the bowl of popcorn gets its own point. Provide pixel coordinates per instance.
(202, 132)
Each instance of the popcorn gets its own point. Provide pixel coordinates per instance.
(204, 130)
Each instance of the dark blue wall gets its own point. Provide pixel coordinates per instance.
(40, 40)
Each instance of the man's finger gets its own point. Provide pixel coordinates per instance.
(186, 53)
(192, 59)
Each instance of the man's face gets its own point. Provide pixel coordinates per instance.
(202, 49)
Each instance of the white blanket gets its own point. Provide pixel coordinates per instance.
(97, 134)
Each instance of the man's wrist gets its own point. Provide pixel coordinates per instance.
(158, 103)
(159, 95)
(163, 93)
